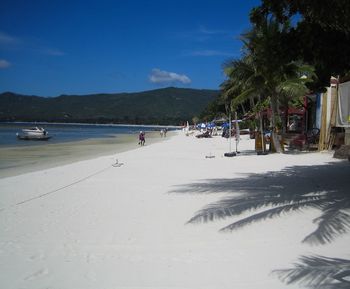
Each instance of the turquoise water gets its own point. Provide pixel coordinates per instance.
(67, 132)
(69, 143)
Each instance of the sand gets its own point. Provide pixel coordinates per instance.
(93, 225)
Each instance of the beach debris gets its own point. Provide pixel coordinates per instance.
(231, 154)
(117, 164)
(210, 156)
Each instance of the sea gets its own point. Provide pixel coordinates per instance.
(68, 143)
(61, 133)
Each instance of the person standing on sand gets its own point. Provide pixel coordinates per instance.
(142, 138)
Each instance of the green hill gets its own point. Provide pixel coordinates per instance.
(161, 106)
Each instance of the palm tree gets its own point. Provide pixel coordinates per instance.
(248, 78)
(268, 46)
(243, 83)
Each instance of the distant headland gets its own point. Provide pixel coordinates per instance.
(166, 106)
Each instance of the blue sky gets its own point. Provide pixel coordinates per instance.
(49, 48)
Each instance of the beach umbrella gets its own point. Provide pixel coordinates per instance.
(211, 125)
(225, 125)
(202, 125)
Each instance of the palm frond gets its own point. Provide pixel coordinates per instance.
(231, 90)
(307, 70)
(318, 272)
(236, 206)
(269, 195)
(241, 98)
(267, 214)
(331, 224)
(292, 88)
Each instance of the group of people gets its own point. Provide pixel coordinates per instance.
(142, 138)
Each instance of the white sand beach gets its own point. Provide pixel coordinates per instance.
(91, 225)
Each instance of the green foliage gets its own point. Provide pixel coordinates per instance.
(266, 70)
(320, 35)
(261, 105)
(331, 15)
(162, 106)
(215, 108)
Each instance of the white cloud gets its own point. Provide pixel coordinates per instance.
(4, 64)
(165, 77)
(7, 39)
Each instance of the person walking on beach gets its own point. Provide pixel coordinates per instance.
(142, 138)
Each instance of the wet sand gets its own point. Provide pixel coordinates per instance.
(19, 160)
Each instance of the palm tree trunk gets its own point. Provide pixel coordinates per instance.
(243, 109)
(285, 117)
(274, 135)
(252, 102)
(261, 128)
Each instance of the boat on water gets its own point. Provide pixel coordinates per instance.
(37, 131)
(33, 133)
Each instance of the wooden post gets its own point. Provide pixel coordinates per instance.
(323, 129)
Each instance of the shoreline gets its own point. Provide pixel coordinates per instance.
(95, 124)
(36, 158)
(66, 132)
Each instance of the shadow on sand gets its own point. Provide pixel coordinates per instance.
(324, 187)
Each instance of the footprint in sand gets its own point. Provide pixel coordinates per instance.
(91, 276)
(35, 257)
(37, 274)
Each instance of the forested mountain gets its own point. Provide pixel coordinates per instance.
(161, 106)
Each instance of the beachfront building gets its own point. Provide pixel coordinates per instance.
(333, 115)
(323, 122)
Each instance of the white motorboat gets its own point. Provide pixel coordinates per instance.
(34, 131)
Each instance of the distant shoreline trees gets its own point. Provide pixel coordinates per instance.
(166, 106)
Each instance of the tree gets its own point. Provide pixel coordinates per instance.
(266, 71)
(215, 108)
(320, 35)
(331, 15)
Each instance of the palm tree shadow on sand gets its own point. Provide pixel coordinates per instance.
(272, 194)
